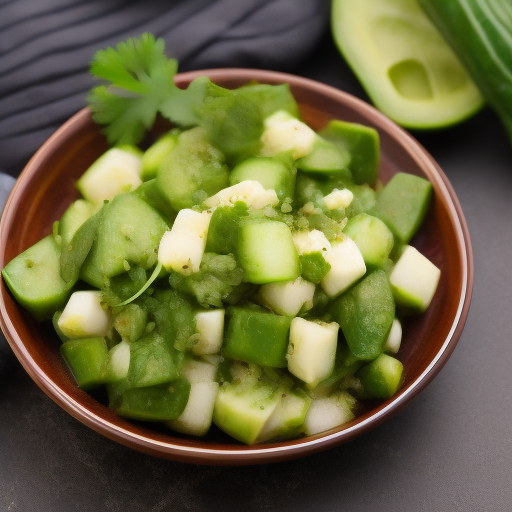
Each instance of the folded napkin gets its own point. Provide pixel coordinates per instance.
(46, 47)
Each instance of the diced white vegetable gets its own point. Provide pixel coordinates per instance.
(182, 248)
(114, 172)
(84, 316)
(394, 338)
(347, 266)
(283, 132)
(311, 350)
(196, 418)
(250, 192)
(414, 279)
(288, 297)
(210, 326)
(338, 199)
(326, 413)
(310, 241)
(199, 370)
(119, 360)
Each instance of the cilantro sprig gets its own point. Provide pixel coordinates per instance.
(141, 80)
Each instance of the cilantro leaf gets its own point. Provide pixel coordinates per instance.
(141, 80)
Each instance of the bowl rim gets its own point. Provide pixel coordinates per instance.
(254, 454)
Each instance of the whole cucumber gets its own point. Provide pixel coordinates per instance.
(480, 33)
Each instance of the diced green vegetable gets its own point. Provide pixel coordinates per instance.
(363, 145)
(88, 360)
(365, 314)
(402, 61)
(266, 252)
(403, 204)
(257, 337)
(381, 377)
(34, 279)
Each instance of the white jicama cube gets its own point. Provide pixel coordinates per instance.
(312, 350)
(182, 248)
(310, 241)
(347, 266)
(288, 297)
(414, 279)
(119, 356)
(326, 413)
(83, 316)
(116, 171)
(250, 192)
(196, 418)
(210, 326)
(283, 132)
(199, 370)
(338, 199)
(394, 338)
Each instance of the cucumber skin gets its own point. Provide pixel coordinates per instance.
(484, 50)
(53, 290)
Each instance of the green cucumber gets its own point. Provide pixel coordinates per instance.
(405, 65)
(257, 337)
(372, 237)
(324, 158)
(272, 173)
(365, 314)
(77, 213)
(363, 145)
(403, 205)
(193, 171)
(266, 252)
(35, 281)
(88, 360)
(129, 233)
(479, 32)
(381, 377)
(156, 153)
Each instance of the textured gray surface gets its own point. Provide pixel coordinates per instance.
(449, 450)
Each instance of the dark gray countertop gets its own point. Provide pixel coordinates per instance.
(449, 450)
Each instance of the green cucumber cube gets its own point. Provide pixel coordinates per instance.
(155, 154)
(266, 252)
(372, 237)
(152, 362)
(130, 233)
(131, 322)
(77, 213)
(192, 171)
(381, 378)
(88, 360)
(163, 402)
(288, 297)
(243, 410)
(324, 158)
(35, 281)
(362, 143)
(272, 173)
(403, 204)
(257, 337)
(313, 266)
(222, 235)
(288, 417)
(365, 314)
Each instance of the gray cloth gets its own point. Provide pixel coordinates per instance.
(46, 47)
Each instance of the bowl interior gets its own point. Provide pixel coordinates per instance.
(47, 186)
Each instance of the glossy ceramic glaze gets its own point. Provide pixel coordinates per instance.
(46, 188)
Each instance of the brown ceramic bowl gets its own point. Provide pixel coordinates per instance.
(46, 188)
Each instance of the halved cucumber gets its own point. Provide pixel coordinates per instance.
(406, 67)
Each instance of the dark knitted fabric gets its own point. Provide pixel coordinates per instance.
(46, 47)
